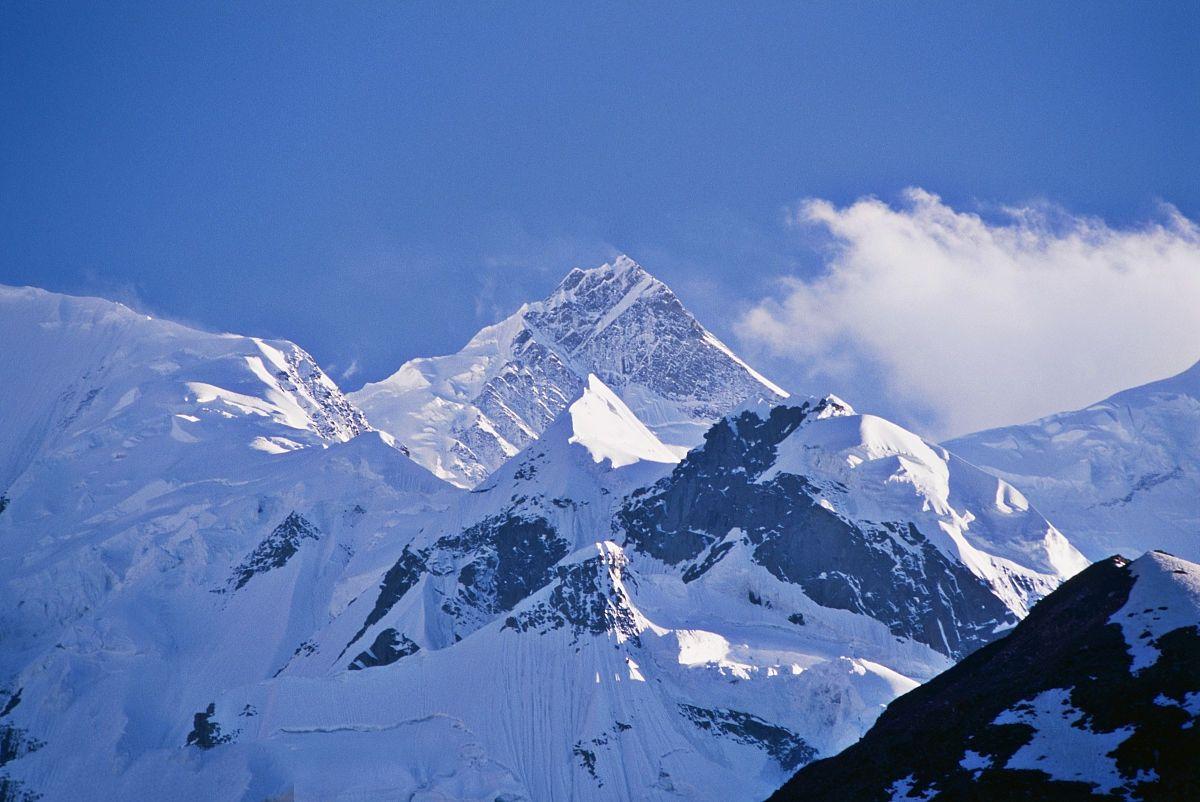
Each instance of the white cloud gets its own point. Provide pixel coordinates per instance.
(982, 323)
(352, 370)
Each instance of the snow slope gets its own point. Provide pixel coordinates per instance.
(574, 657)
(1119, 477)
(463, 415)
(863, 515)
(163, 487)
(567, 664)
(1095, 695)
(610, 431)
(86, 374)
(868, 467)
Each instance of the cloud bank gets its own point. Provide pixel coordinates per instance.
(981, 323)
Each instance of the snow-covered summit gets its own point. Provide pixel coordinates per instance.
(1120, 476)
(873, 468)
(463, 415)
(861, 514)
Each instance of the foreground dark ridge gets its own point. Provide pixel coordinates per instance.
(955, 737)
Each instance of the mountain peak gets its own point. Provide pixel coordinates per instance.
(831, 406)
(96, 371)
(619, 268)
(465, 414)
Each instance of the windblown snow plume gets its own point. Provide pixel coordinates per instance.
(957, 311)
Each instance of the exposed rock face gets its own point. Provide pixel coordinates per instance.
(502, 561)
(479, 573)
(276, 549)
(205, 732)
(788, 748)
(389, 647)
(463, 415)
(733, 491)
(333, 416)
(1096, 695)
(398, 580)
(589, 597)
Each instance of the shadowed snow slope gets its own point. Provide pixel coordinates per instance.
(1096, 695)
(1121, 476)
(463, 415)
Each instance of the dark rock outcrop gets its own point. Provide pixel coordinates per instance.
(889, 571)
(388, 647)
(787, 748)
(275, 551)
(953, 737)
(206, 733)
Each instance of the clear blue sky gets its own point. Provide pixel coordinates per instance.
(376, 180)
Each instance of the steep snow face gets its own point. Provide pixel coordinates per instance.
(1095, 694)
(606, 427)
(121, 624)
(463, 415)
(604, 684)
(162, 487)
(1121, 476)
(115, 414)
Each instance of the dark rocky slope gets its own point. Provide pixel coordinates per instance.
(1119, 729)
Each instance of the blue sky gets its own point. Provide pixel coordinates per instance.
(377, 180)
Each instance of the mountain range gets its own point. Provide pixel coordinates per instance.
(594, 555)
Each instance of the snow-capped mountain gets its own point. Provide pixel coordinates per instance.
(89, 378)
(1096, 695)
(861, 514)
(163, 489)
(557, 636)
(1119, 477)
(214, 589)
(465, 414)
